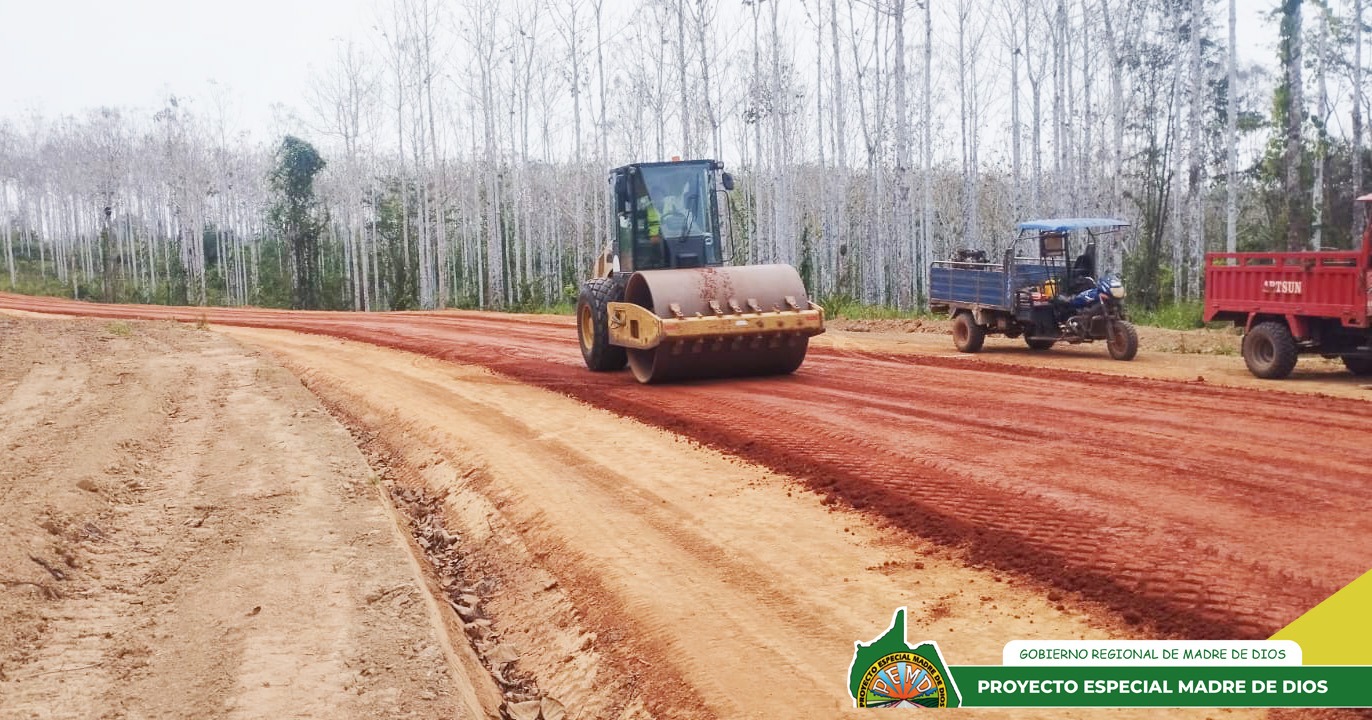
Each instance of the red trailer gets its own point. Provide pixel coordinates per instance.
(1296, 302)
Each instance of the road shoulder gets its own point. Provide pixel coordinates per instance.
(188, 532)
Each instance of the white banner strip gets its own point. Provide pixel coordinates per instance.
(1235, 653)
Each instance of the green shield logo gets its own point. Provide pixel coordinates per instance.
(887, 672)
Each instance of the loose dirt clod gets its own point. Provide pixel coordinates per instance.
(422, 511)
(528, 710)
(552, 709)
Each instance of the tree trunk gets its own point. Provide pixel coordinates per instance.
(1189, 273)
(1297, 228)
(1321, 129)
(927, 180)
(1231, 134)
(686, 150)
(1086, 161)
(1036, 136)
(9, 238)
(907, 253)
(1016, 133)
(1359, 216)
(440, 190)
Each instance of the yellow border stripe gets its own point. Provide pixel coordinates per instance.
(1338, 631)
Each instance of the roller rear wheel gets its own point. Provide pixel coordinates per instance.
(593, 326)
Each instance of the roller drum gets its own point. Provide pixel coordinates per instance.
(734, 291)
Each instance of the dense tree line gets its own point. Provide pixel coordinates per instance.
(459, 150)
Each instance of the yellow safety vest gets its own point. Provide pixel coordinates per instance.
(654, 222)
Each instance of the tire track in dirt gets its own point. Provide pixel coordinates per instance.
(1202, 511)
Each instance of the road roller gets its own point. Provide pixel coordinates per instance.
(662, 300)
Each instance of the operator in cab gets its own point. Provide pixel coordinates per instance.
(649, 224)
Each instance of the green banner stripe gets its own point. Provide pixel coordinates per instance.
(1297, 686)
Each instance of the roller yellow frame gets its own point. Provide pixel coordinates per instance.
(635, 327)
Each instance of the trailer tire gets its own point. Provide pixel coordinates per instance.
(1269, 350)
(1038, 344)
(1358, 365)
(593, 326)
(968, 336)
(1123, 341)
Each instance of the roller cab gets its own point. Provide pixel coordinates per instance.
(663, 302)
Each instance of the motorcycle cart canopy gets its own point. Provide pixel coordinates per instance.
(1053, 239)
(1063, 225)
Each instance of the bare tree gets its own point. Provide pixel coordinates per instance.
(1321, 127)
(703, 20)
(343, 97)
(970, 34)
(1357, 101)
(1011, 39)
(927, 179)
(1231, 135)
(1297, 223)
(8, 156)
(682, 63)
(907, 253)
(459, 170)
(1188, 283)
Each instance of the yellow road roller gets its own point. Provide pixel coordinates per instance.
(662, 300)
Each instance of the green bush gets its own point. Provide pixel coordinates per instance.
(119, 329)
(1175, 316)
(840, 306)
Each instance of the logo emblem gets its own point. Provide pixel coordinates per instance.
(888, 673)
(1282, 287)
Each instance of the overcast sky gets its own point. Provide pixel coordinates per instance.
(61, 57)
(64, 56)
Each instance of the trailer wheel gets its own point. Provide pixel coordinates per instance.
(1037, 343)
(593, 326)
(967, 334)
(1269, 350)
(1358, 365)
(1123, 342)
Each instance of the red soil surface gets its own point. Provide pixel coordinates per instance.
(1200, 511)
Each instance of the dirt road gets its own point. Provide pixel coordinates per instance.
(1192, 356)
(188, 534)
(638, 575)
(1087, 503)
(1192, 509)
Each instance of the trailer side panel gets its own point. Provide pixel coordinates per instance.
(1330, 285)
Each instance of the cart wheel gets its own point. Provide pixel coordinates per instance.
(1123, 342)
(1269, 350)
(1037, 344)
(967, 334)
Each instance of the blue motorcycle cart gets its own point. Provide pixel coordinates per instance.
(1055, 297)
